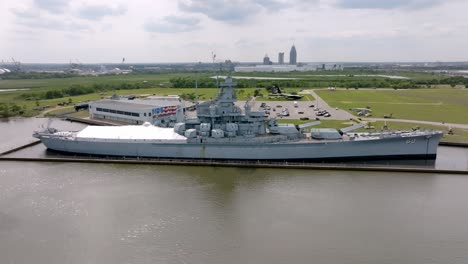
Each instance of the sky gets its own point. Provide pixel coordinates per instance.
(157, 31)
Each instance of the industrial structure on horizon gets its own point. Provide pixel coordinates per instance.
(293, 65)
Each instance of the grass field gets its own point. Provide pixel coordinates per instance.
(203, 94)
(435, 105)
(440, 105)
(54, 83)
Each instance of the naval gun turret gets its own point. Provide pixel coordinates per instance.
(221, 120)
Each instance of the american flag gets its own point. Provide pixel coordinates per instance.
(165, 111)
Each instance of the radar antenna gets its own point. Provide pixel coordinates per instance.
(213, 58)
(49, 122)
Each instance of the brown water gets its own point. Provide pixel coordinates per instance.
(102, 213)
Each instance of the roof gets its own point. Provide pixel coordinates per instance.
(134, 104)
(129, 132)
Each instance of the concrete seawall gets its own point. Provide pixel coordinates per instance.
(282, 165)
(453, 144)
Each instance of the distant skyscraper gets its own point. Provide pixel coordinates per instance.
(281, 58)
(293, 56)
(266, 60)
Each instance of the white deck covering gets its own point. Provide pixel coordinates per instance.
(130, 132)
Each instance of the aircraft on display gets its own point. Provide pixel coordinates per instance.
(276, 92)
(362, 111)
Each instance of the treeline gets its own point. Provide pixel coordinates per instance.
(206, 82)
(348, 82)
(78, 89)
(452, 81)
(11, 109)
(189, 82)
(35, 75)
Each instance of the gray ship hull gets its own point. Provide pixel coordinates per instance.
(421, 146)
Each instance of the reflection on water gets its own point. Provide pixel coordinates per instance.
(16, 132)
(430, 163)
(106, 213)
(13, 90)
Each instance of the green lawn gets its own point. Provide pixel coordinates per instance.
(436, 105)
(440, 105)
(53, 83)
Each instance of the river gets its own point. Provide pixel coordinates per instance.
(102, 213)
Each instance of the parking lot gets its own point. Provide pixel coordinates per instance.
(296, 109)
(301, 109)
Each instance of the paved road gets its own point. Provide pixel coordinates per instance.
(339, 114)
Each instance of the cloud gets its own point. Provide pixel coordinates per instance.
(53, 6)
(274, 5)
(25, 13)
(52, 24)
(387, 4)
(222, 10)
(173, 24)
(97, 12)
(34, 19)
(234, 11)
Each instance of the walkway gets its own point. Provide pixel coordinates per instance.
(339, 114)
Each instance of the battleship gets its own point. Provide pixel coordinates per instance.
(222, 130)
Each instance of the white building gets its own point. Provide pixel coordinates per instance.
(288, 68)
(275, 68)
(156, 110)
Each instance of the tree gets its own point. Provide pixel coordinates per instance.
(256, 92)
